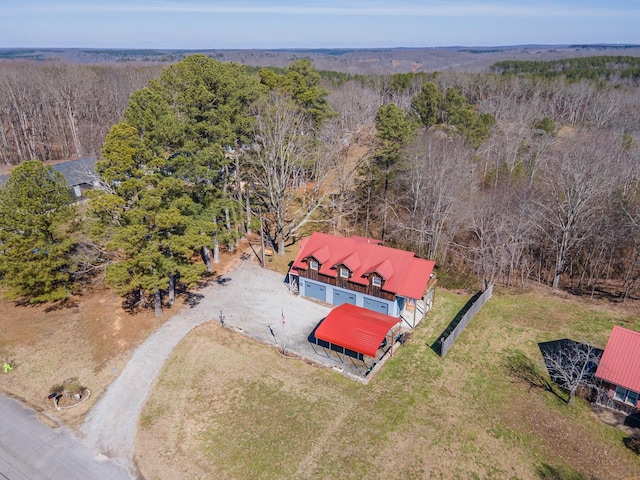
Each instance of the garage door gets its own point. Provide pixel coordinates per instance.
(376, 306)
(315, 290)
(340, 297)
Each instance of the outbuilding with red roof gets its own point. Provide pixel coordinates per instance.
(357, 332)
(619, 368)
(361, 271)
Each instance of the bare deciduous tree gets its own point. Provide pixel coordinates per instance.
(430, 196)
(289, 169)
(571, 364)
(576, 183)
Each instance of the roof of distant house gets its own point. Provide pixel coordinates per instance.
(355, 328)
(620, 362)
(75, 172)
(82, 170)
(403, 273)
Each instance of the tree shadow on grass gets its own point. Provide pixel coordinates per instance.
(67, 303)
(522, 367)
(548, 472)
(633, 444)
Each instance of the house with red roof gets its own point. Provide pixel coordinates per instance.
(362, 272)
(619, 369)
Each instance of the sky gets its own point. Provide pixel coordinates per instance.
(226, 24)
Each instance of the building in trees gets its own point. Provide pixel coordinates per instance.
(80, 175)
(362, 272)
(619, 370)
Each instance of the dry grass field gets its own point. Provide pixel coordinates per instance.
(91, 338)
(225, 406)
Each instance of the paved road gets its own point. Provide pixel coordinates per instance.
(30, 450)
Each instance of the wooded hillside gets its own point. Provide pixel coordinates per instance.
(498, 178)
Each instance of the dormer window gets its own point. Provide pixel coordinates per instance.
(344, 272)
(313, 264)
(376, 281)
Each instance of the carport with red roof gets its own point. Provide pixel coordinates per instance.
(357, 330)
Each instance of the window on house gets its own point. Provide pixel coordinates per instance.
(627, 396)
(313, 265)
(344, 272)
(376, 281)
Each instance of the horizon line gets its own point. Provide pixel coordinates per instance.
(301, 48)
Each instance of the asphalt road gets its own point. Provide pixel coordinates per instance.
(30, 450)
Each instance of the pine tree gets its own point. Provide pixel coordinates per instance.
(169, 177)
(35, 213)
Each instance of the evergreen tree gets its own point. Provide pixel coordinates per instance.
(394, 129)
(301, 81)
(169, 177)
(462, 115)
(35, 213)
(428, 104)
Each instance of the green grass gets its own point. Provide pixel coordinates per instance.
(467, 415)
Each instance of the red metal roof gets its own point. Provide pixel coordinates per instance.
(355, 328)
(620, 362)
(404, 274)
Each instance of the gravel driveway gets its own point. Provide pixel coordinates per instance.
(251, 300)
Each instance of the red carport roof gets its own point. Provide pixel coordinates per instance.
(620, 362)
(355, 328)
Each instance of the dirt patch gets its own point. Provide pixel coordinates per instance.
(90, 338)
(629, 425)
(569, 442)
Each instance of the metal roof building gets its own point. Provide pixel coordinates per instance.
(620, 366)
(357, 329)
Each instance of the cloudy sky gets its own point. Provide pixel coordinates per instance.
(194, 24)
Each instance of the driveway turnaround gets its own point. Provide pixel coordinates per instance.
(250, 300)
(30, 450)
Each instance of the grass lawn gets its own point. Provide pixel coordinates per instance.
(227, 407)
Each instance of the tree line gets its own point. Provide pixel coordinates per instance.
(52, 111)
(498, 179)
(605, 67)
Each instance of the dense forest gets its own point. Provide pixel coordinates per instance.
(508, 177)
(620, 68)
